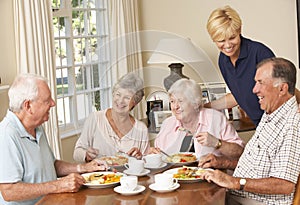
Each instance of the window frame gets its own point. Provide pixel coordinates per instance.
(102, 65)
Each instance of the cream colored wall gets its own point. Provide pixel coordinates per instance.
(8, 68)
(272, 22)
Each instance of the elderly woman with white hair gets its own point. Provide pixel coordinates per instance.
(194, 128)
(114, 130)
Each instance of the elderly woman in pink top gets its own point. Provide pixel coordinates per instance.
(193, 128)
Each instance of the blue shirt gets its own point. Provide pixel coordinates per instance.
(24, 158)
(240, 78)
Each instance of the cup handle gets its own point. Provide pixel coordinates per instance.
(175, 181)
(126, 165)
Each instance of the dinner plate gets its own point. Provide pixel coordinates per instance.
(137, 190)
(186, 180)
(143, 173)
(159, 189)
(161, 166)
(165, 159)
(93, 185)
(112, 161)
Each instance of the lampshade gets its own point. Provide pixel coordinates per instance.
(175, 50)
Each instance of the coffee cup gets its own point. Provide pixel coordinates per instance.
(129, 183)
(135, 166)
(153, 160)
(165, 180)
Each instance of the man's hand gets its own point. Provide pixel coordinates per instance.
(217, 162)
(69, 183)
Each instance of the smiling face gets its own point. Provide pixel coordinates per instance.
(267, 88)
(230, 46)
(41, 106)
(181, 107)
(122, 100)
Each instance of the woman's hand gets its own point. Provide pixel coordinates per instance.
(154, 150)
(95, 165)
(91, 153)
(135, 152)
(206, 139)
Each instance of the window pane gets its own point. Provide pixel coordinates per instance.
(62, 82)
(63, 111)
(61, 52)
(79, 51)
(80, 78)
(82, 108)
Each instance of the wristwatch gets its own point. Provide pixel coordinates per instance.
(242, 183)
(219, 144)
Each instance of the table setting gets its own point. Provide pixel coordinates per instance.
(139, 179)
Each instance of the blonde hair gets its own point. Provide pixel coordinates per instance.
(223, 23)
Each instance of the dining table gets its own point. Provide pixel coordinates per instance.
(199, 192)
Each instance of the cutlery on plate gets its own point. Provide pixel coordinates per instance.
(165, 153)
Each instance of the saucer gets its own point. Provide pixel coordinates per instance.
(161, 166)
(137, 190)
(156, 188)
(143, 173)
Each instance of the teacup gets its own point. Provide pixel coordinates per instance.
(153, 160)
(135, 166)
(129, 183)
(165, 180)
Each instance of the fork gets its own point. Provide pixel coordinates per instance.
(165, 153)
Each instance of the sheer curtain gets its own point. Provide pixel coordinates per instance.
(125, 44)
(35, 53)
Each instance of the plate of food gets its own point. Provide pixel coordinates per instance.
(101, 179)
(182, 158)
(187, 174)
(115, 161)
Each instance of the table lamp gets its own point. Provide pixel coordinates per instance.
(175, 52)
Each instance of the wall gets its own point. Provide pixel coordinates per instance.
(7, 54)
(272, 22)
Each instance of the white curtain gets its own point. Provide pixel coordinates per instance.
(125, 44)
(35, 53)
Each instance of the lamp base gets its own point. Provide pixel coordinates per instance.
(176, 74)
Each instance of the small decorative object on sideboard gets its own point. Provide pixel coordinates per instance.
(3, 87)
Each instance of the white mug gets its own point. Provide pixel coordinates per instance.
(135, 166)
(129, 183)
(153, 160)
(165, 180)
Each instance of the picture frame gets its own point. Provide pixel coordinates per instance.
(205, 96)
(160, 116)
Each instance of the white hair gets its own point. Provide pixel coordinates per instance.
(23, 88)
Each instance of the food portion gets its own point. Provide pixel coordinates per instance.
(182, 157)
(101, 178)
(187, 173)
(115, 160)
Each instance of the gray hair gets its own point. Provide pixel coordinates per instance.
(134, 83)
(23, 88)
(284, 70)
(190, 89)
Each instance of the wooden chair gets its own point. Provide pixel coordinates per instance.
(297, 193)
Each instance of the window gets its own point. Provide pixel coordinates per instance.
(82, 75)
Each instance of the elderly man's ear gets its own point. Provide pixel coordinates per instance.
(283, 89)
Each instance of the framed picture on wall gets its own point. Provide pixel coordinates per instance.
(160, 116)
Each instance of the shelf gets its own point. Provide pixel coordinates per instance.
(3, 88)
